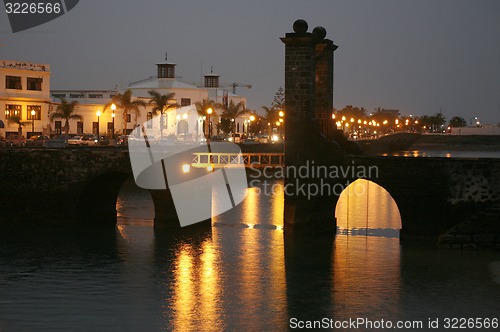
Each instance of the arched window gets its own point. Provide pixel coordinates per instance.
(182, 127)
(149, 119)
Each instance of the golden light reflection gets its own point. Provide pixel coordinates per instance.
(366, 268)
(123, 231)
(367, 272)
(366, 205)
(250, 207)
(278, 205)
(197, 287)
(184, 299)
(210, 291)
(276, 293)
(251, 270)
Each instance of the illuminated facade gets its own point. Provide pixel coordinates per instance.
(24, 93)
(25, 90)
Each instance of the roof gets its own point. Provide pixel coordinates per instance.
(166, 63)
(24, 65)
(161, 83)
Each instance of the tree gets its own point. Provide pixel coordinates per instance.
(161, 104)
(225, 125)
(202, 108)
(258, 124)
(352, 112)
(204, 105)
(125, 102)
(16, 119)
(233, 111)
(457, 122)
(438, 120)
(433, 122)
(65, 111)
(279, 99)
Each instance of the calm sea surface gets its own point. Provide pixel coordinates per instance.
(243, 275)
(448, 154)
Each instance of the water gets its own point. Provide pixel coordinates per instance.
(242, 275)
(447, 154)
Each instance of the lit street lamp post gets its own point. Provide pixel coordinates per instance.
(33, 113)
(98, 113)
(113, 108)
(209, 112)
(252, 119)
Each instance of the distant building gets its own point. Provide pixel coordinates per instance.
(474, 130)
(24, 92)
(183, 120)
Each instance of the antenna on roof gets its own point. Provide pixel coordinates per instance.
(166, 56)
(211, 69)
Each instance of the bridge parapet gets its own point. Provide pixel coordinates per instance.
(48, 184)
(433, 194)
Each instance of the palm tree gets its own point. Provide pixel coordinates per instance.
(16, 119)
(161, 105)
(66, 111)
(128, 105)
(202, 108)
(204, 105)
(272, 115)
(457, 121)
(233, 111)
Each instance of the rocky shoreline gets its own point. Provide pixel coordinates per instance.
(477, 232)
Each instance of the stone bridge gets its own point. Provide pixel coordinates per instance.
(68, 185)
(82, 184)
(433, 194)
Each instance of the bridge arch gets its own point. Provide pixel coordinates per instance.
(365, 207)
(97, 200)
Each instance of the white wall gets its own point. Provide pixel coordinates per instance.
(476, 131)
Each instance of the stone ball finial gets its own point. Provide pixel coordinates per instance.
(319, 33)
(300, 26)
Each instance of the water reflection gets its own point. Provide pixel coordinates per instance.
(366, 276)
(234, 277)
(365, 208)
(228, 273)
(446, 154)
(244, 267)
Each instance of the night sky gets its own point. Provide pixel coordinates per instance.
(416, 56)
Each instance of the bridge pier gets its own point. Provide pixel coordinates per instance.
(165, 213)
(308, 107)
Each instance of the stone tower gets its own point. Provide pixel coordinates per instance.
(308, 128)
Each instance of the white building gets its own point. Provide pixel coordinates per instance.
(24, 92)
(182, 120)
(477, 130)
(89, 102)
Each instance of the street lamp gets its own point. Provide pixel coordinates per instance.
(33, 113)
(113, 108)
(209, 112)
(98, 113)
(252, 119)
